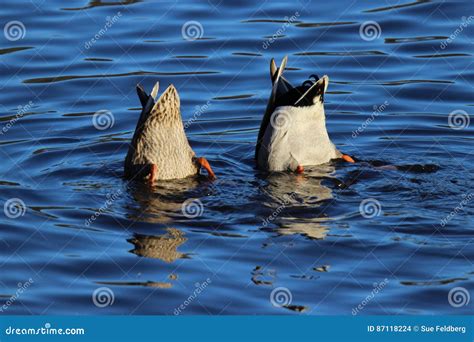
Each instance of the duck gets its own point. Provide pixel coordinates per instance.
(293, 131)
(159, 149)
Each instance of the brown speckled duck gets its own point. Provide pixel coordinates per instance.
(160, 149)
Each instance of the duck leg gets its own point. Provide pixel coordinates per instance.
(202, 162)
(153, 173)
(348, 158)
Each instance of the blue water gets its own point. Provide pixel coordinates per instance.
(78, 239)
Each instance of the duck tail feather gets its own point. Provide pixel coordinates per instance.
(142, 95)
(280, 84)
(154, 91)
(315, 92)
(273, 70)
(279, 71)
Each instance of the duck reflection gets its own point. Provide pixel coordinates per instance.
(312, 230)
(292, 195)
(163, 247)
(307, 187)
(161, 203)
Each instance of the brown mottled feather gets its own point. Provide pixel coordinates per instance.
(160, 139)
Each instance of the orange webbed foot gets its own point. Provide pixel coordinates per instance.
(202, 162)
(348, 158)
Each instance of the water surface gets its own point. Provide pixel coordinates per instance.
(85, 228)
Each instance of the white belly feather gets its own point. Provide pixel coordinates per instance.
(296, 136)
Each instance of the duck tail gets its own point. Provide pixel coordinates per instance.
(314, 93)
(278, 71)
(142, 95)
(147, 102)
(277, 88)
(273, 70)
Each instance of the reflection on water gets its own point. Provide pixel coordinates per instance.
(161, 285)
(162, 202)
(309, 187)
(164, 247)
(400, 103)
(312, 230)
(97, 3)
(291, 195)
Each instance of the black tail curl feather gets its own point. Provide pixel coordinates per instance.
(290, 98)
